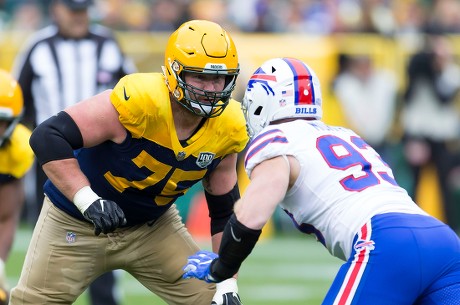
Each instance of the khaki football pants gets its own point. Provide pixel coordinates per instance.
(64, 256)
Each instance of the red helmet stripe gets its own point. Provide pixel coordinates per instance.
(304, 93)
(264, 77)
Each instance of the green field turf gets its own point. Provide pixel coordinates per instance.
(291, 269)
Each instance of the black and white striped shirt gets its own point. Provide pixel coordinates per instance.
(56, 72)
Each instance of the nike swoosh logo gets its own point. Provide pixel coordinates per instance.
(233, 235)
(127, 97)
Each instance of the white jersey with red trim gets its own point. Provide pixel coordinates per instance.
(343, 182)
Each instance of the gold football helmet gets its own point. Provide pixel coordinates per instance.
(201, 46)
(11, 104)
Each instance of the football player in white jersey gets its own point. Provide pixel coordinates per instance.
(335, 186)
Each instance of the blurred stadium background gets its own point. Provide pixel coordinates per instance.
(285, 268)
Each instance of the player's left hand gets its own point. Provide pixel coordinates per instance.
(226, 293)
(198, 266)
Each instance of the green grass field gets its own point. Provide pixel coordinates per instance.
(291, 269)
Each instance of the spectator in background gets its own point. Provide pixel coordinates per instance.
(16, 158)
(445, 16)
(368, 98)
(167, 15)
(64, 63)
(430, 117)
(212, 10)
(311, 16)
(27, 16)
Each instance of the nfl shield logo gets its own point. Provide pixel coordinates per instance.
(180, 156)
(204, 159)
(70, 237)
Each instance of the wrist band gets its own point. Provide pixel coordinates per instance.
(84, 198)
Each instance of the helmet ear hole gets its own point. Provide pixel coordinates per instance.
(258, 110)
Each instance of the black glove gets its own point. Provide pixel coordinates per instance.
(106, 216)
(230, 298)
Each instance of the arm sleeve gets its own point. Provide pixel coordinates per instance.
(56, 138)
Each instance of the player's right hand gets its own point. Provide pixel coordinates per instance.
(106, 216)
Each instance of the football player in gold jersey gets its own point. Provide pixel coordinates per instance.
(118, 161)
(16, 158)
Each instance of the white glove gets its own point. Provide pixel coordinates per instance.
(226, 293)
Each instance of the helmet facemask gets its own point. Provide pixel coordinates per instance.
(202, 102)
(254, 112)
(5, 136)
(11, 104)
